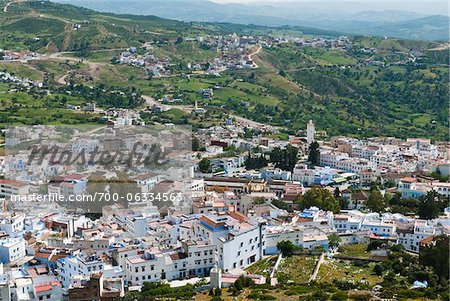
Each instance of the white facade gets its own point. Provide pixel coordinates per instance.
(379, 227)
(303, 174)
(12, 224)
(12, 249)
(411, 236)
(346, 224)
(78, 265)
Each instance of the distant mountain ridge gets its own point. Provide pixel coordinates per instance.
(347, 17)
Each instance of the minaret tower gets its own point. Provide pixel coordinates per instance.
(310, 132)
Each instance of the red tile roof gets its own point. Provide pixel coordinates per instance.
(408, 180)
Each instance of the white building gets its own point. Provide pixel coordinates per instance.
(10, 187)
(12, 249)
(346, 223)
(379, 227)
(411, 234)
(239, 240)
(303, 174)
(78, 265)
(12, 223)
(194, 258)
(307, 237)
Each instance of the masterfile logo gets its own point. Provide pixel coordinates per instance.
(88, 167)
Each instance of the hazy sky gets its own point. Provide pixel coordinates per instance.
(432, 7)
(360, 1)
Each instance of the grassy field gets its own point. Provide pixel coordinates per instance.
(334, 269)
(262, 267)
(21, 70)
(354, 250)
(23, 108)
(296, 269)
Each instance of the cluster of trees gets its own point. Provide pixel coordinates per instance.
(431, 205)
(288, 248)
(242, 282)
(318, 197)
(401, 269)
(428, 206)
(256, 162)
(128, 97)
(314, 153)
(283, 158)
(435, 255)
(376, 202)
(204, 165)
(158, 290)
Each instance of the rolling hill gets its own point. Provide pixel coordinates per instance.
(337, 88)
(394, 20)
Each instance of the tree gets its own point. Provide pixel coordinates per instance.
(284, 159)
(435, 255)
(195, 144)
(318, 197)
(259, 200)
(378, 269)
(431, 205)
(286, 247)
(255, 162)
(374, 245)
(343, 203)
(314, 153)
(333, 241)
(204, 165)
(179, 40)
(337, 192)
(279, 204)
(375, 202)
(243, 281)
(217, 292)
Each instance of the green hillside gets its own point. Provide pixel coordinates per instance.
(337, 88)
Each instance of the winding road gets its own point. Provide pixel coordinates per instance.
(150, 101)
(250, 56)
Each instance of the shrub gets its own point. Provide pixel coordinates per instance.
(260, 296)
(339, 296)
(360, 297)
